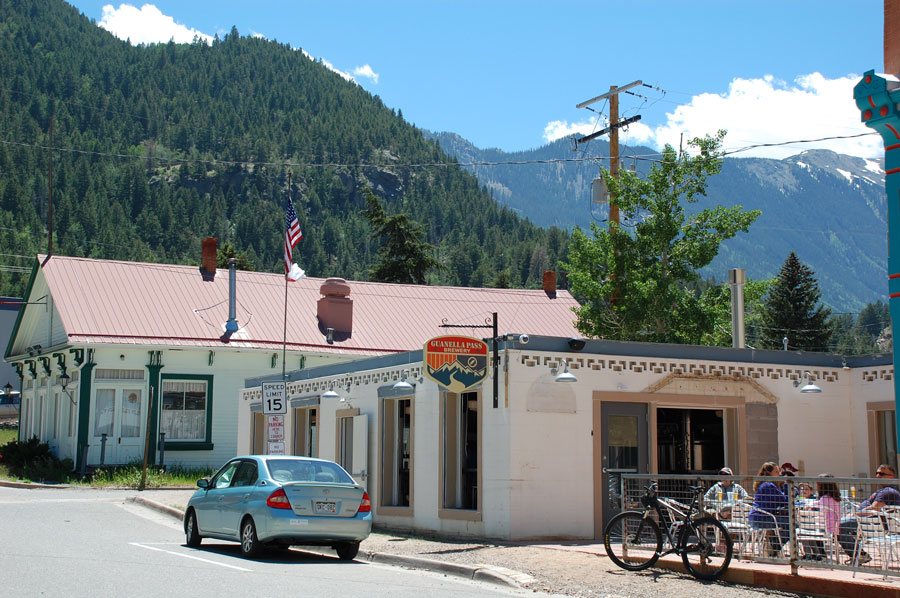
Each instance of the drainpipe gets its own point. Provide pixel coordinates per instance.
(231, 326)
(736, 279)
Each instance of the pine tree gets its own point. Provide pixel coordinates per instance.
(403, 258)
(792, 310)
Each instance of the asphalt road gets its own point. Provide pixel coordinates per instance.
(91, 543)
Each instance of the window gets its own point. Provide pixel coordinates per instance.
(306, 432)
(185, 414)
(396, 450)
(130, 422)
(104, 409)
(345, 444)
(259, 433)
(246, 475)
(886, 434)
(39, 420)
(460, 451)
(71, 430)
(55, 430)
(225, 475)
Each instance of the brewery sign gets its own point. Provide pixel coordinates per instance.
(456, 363)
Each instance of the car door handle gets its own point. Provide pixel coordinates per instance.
(247, 496)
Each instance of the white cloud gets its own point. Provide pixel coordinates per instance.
(765, 110)
(366, 72)
(146, 25)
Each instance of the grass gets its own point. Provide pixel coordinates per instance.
(122, 476)
(8, 434)
(129, 476)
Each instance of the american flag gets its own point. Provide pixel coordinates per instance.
(292, 235)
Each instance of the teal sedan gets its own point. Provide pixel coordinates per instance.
(280, 501)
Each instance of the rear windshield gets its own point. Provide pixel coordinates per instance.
(292, 470)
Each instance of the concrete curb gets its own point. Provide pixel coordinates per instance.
(33, 485)
(165, 509)
(483, 573)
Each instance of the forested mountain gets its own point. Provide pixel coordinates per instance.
(159, 146)
(828, 208)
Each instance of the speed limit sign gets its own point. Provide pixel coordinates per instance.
(273, 399)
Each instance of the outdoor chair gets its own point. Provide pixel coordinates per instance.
(811, 528)
(873, 536)
(759, 538)
(738, 525)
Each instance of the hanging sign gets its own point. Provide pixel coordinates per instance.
(456, 363)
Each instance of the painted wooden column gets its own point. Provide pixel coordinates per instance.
(876, 97)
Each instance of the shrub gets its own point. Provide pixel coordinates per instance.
(33, 460)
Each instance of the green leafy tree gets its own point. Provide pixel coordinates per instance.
(403, 256)
(792, 310)
(632, 278)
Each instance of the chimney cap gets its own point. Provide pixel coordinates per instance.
(335, 287)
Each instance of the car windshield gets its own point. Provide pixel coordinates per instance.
(292, 470)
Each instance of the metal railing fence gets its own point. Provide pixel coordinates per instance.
(796, 521)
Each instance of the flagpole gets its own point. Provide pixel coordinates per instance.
(286, 279)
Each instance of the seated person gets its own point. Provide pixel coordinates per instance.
(805, 492)
(724, 490)
(887, 495)
(770, 507)
(829, 504)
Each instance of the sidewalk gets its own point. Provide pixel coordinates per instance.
(573, 568)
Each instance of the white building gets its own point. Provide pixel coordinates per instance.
(544, 455)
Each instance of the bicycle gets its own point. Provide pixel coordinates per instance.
(634, 542)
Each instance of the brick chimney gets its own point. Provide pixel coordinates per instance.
(335, 308)
(208, 258)
(892, 37)
(549, 284)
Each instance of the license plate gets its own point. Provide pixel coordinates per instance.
(325, 507)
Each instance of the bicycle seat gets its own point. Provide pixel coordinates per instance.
(696, 489)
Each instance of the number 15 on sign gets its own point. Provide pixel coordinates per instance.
(273, 399)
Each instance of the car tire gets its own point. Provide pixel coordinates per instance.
(192, 535)
(250, 544)
(347, 551)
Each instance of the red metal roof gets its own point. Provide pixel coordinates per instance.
(114, 302)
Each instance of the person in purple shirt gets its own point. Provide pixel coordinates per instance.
(770, 507)
(884, 496)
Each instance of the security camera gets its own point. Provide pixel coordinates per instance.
(523, 339)
(576, 344)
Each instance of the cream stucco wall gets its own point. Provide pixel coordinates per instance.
(537, 448)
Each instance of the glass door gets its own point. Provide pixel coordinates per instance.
(624, 449)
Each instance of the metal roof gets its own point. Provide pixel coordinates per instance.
(133, 303)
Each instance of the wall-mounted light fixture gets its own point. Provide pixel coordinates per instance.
(565, 375)
(330, 394)
(402, 384)
(64, 380)
(809, 386)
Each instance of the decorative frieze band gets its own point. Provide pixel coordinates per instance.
(690, 368)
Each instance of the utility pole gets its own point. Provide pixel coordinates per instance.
(613, 129)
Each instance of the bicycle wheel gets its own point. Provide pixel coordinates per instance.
(632, 541)
(705, 547)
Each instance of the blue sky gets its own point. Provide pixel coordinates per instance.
(508, 74)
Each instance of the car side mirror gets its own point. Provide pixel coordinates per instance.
(203, 483)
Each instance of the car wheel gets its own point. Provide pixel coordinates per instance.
(191, 533)
(347, 551)
(250, 545)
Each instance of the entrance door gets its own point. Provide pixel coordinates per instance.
(623, 448)
(129, 440)
(118, 413)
